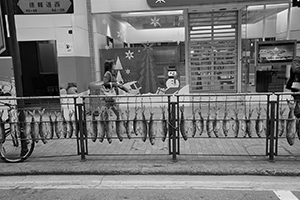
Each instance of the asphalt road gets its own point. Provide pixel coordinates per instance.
(150, 187)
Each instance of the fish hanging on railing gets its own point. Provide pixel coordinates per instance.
(200, 122)
(143, 125)
(249, 123)
(209, 124)
(194, 123)
(281, 122)
(151, 129)
(58, 125)
(65, 125)
(51, 126)
(70, 126)
(290, 124)
(236, 123)
(13, 127)
(111, 125)
(42, 127)
(216, 123)
(34, 127)
(94, 124)
(182, 126)
(259, 123)
(2, 128)
(27, 123)
(101, 126)
(120, 128)
(164, 124)
(128, 124)
(226, 123)
(135, 121)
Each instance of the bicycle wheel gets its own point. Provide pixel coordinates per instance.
(11, 148)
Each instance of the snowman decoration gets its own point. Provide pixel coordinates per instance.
(172, 81)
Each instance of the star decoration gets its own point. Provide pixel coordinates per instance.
(129, 55)
(180, 18)
(119, 34)
(160, 1)
(147, 47)
(155, 22)
(107, 47)
(104, 21)
(127, 71)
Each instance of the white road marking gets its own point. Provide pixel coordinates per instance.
(285, 195)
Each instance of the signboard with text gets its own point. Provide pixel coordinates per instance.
(2, 36)
(43, 7)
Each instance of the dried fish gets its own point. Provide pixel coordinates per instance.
(281, 126)
(58, 126)
(200, 123)
(209, 124)
(64, 125)
(34, 127)
(120, 128)
(151, 129)
(290, 125)
(143, 127)
(101, 127)
(248, 122)
(51, 126)
(94, 131)
(27, 123)
(194, 122)
(42, 127)
(182, 124)
(70, 126)
(13, 127)
(2, 128)
(236, 123)
(135, 121)
(216, 123)
(111, 126)
(127, 124)
(226, 123)
(164, 124)
(259, 124)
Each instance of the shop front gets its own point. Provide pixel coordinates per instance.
(213, 47)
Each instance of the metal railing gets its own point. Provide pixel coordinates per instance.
(160, 120)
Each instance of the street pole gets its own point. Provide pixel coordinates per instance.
(16, 60)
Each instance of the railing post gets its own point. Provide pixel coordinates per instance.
(271, 130)
(81, 131)
(174, 136)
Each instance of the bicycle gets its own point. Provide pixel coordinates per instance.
(15, 146)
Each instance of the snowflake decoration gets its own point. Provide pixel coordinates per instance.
(155, 22)
(129, 55)
(107, 47)
(119, 34)
(148, 47)
(127, 71)
(104, 21)
(160, 1)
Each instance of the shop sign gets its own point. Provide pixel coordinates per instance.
(170, 3)
(43, 6)
(296, 3)
(2, 36)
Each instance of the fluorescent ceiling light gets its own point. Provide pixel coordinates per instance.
(171, 12)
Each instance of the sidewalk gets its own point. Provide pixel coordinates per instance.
(197, 157)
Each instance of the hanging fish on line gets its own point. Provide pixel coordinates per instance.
(182, 125)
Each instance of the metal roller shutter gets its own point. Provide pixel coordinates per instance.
(213, 51)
